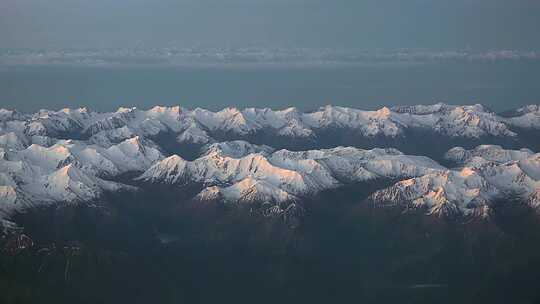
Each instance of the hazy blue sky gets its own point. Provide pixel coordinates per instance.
(439, 24)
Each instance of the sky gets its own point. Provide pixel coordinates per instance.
(367, 24)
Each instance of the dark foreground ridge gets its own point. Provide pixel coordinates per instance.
(137, 251)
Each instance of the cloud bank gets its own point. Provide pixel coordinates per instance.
(252, 56)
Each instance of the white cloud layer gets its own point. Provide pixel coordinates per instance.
(252, 56)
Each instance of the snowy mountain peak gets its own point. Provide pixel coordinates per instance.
(236, 148)
(170, 170)
(485, 154)
(248, 190)
(383, 112)
(134, 141)
(76, 112)
(70, 184)
(134, 154)
(126, 109)
(421, 109)
(165, 110)
(210, 194)
(527, 117)
(168, 116)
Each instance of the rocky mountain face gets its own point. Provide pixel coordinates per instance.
(238, 156)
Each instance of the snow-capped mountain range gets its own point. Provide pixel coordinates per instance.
(77, 155)
(483, 176)
(203, 126)
(284, 175)
(68, 171)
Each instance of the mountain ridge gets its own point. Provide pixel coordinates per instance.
(78, 155)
